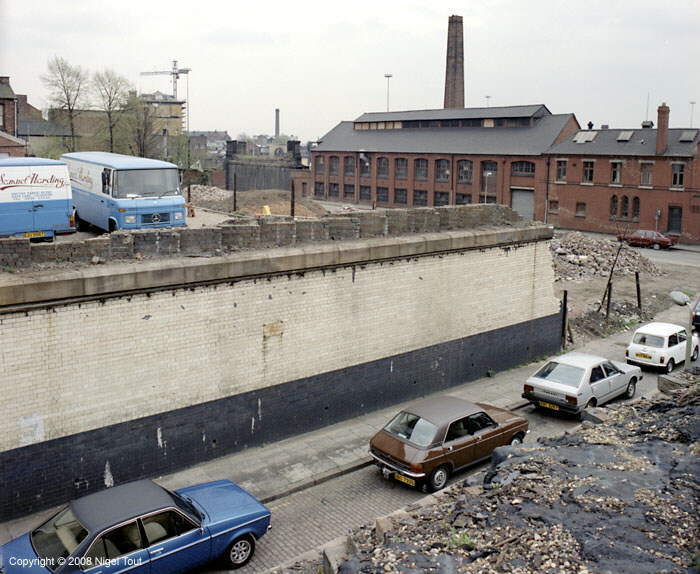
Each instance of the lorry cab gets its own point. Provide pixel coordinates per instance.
(113, 191)
(35, 198)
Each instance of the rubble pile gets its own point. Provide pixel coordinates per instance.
(623, 316)
(202, 193)
(620, 496)
(578, 256)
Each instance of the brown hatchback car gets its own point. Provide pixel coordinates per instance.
(431, 439)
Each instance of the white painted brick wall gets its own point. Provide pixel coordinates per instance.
(80, 367)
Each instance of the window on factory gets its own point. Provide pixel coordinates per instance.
(463, 198)
(349, 192)
(561, 170)
(320, 166)
(522, 168)
(333, 190)
(333, 165)
(365, 193)
(677, 174)
(348, 165)
(588, 167)
(420, 169)
(635, 209)
(441, 198)
(580, 209)
(512, 122)
(383, 167)
(553, 206)
(319, 189)
(401, 168)
(464, 171)
(645, 174)
(616, 172)
(442, 170)
(365, 166)
(400, 196)
(625, 209)
(382, 195)
(420, 198)
(489, 176)
(613, 207)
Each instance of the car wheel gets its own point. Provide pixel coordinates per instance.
(240, 551)
(694, 356)
(631, 389)
(670, 366)
(517, 439)
(657, 246)
(80, 225)
(438, 478)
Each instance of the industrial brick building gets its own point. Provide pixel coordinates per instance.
(612, 180)
(442, 157)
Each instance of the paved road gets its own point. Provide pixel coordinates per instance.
(684, 255)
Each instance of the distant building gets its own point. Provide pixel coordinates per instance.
(442, 157)
(617, 179)
(170, 113)
(10, 144)
(213, 142)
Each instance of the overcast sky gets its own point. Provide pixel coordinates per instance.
(321, 62)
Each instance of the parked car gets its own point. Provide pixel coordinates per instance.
(142, 527)
(425, 443)
(660, 345)
(696, 316)
(645, 238)
(574, 381)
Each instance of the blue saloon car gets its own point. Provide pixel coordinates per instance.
(142, 528)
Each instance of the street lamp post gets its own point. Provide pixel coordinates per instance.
(680, 298)
(388, 77)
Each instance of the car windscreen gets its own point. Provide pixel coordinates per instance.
(561, 373)
(413, 428)
(58, 537)
(133, 183)
(648, 340)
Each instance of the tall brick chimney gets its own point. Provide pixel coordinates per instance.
(454, 71)
(662, 129)
(277, 123)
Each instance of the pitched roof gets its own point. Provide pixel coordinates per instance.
(41, 128)
(533, 140)
(12, 139)
(6, 92)
(640, 142)
(529, 111)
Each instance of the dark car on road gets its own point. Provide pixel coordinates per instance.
(426, 442)
(142, 528)
(644, 238)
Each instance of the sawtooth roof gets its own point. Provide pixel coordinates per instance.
(534, 140)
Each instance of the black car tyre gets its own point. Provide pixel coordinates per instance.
(438, 478)
(694, 356)
(517, 439)
(80, 225)
(631, 389)
(670, 366)
(657, 246)
(240, 551)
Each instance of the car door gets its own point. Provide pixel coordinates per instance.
(459, 443)
(600, 385)
(484, 429)
(616, 378)
(120, 549)
(175, 542)
(679, 351)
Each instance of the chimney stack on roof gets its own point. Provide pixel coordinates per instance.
(277, 123)
(662, 129)
(454, 72)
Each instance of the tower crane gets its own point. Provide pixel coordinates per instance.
(174, 72)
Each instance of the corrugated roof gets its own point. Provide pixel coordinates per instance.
(533, 140)
(118, 161)
(41, 128)
(529, 111)
(641, 143)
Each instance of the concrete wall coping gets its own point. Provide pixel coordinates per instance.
(37, 287)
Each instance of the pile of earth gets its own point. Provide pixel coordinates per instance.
(620, 496)
(579, 256)
(623, 315)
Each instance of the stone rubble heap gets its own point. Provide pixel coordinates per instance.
(578, 256)
(620, 496)
(207, 193)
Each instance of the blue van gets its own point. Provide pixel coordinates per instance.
(35, 198)
(113, 191)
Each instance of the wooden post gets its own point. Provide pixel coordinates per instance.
(639, 291)
(291, 205)
(564, 317)
(607, 308)
(612, 270)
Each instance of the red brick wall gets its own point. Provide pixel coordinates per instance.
(8, 126)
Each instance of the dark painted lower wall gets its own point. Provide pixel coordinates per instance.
(49, 473)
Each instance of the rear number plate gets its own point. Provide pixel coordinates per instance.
(405, 480)
(549, 406)
(34, 234)
(643, 356)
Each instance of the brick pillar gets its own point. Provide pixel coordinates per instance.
(454, 71)
(662, 129)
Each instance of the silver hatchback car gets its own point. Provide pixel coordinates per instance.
(572, 382)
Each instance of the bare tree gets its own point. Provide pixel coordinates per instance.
(67, 87)
(144, 137)
(111, 96)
